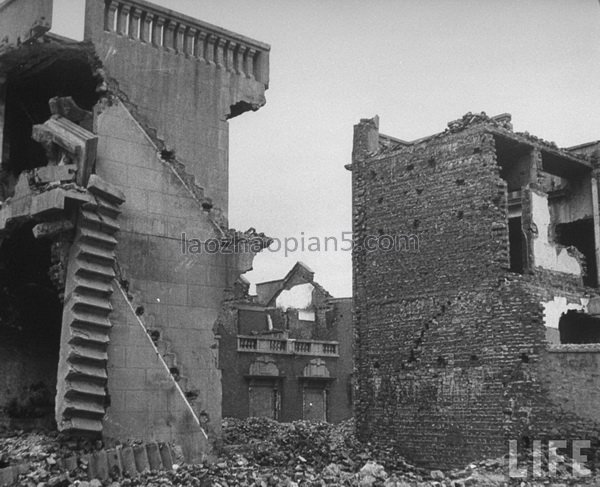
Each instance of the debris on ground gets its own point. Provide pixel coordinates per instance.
(261, 452)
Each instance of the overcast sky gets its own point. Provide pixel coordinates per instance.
(417, 64)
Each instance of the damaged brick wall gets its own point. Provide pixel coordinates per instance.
(451, 351)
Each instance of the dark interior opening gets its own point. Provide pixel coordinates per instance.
(575, 327)
(28, 90)
(580, 234)
(516, 243)
(514, 159)
(30, 327)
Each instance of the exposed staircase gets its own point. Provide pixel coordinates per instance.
(86, 316)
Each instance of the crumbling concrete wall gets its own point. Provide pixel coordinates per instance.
(451, 352)
(145, 402)
(185, 89)
(157, 142)
(177, 294)
(546, 253)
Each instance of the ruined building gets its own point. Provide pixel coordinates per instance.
(111, 149)
(286, 353)
(491, 331)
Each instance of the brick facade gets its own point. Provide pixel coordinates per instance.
(452, 359)
(273, 362)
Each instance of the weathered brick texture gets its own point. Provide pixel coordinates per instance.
(451, 356)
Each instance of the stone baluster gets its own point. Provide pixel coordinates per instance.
(157, 30)
(110, 13)
(200, 48)
(239, 59)
(169, 35)
(134, 23)
(220, 53)
(229, 51)
(249, 58)
(210, 49)
(190, 41)
(180, 38)
(261, 66)
(122, 19)
(146, 28)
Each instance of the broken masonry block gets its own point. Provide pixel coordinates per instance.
(141, 458)
(99, 187)
(50, 174)
(128, 461)
(50, 229)
(154, 458)
(65, 106)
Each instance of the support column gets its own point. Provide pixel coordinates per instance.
(250, 53)
(146, 28)
(200, 48)
(123, 19)
(3, 143)
(535, 165)
(134, 23)
(110, 14)
(220, 53)
(596, 216)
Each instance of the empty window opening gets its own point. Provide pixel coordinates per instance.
(29, 87)
(580, 234)
(30, 326)
(577, 327)
(515, 160)
(516, 245)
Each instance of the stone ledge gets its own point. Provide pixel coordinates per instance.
(575, 348)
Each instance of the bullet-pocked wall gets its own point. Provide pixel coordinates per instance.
(453, 357)
(163, 140)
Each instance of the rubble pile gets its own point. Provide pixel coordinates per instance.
(261, 452)
(18, 447)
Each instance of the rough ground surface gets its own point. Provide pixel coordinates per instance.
(260, 452)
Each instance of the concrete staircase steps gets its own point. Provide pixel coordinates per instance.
(89, 321)
(91, 269)
(82, 425)
(84, 408)
(92, 372)
(91, 304)
(87, 336)
(104, 207)
(83, 352)
(84, 284)
(98, 238)
(96, 271)
(97, 221)
(95, 254)
(84, 388)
